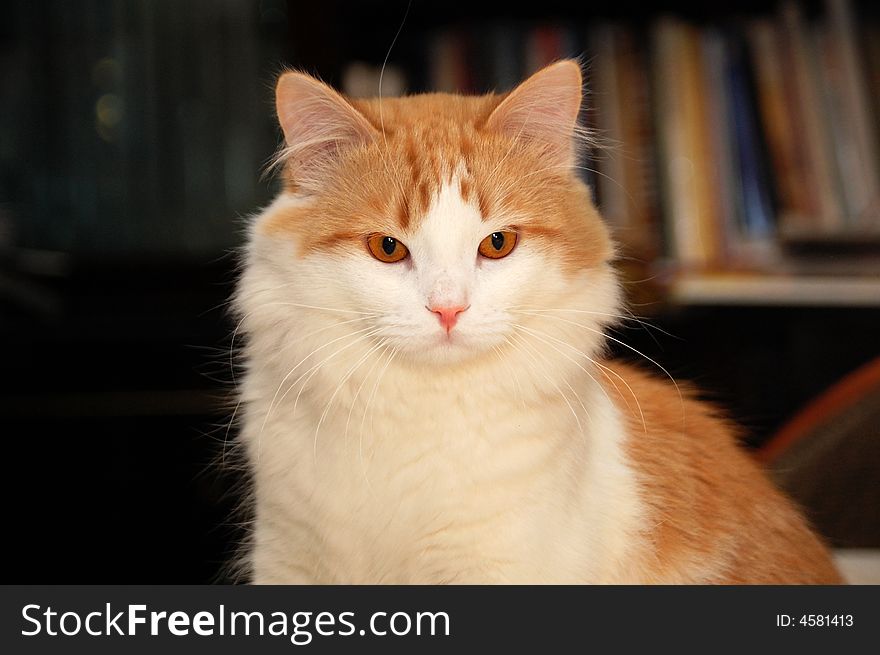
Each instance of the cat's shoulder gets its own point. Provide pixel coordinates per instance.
(673, 434)
(671, 408)
(716, 515)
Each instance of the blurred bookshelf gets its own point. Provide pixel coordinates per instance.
(774, 290)
(737, 154)
(732, 138)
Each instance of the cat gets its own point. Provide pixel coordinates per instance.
(426, 396)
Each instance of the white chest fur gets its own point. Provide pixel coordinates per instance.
(446, 479)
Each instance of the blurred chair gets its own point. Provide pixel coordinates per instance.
(827, 457)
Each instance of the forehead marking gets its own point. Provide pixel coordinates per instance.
(450, 208)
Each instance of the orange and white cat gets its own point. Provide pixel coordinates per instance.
(426, 398)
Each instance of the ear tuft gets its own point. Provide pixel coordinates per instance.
(544, 110)
(318, 123)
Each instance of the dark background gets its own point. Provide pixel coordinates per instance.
(132, 138)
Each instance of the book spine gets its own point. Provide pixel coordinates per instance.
(776, 109)
(861, 161)
(639, 146)
(605, 87)
(752, 173)
(723, 161)
(828, 214)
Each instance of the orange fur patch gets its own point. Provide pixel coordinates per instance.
(711, 507)
(423, 142)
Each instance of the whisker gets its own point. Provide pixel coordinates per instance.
(384, 345)
(379, 379)
(317, 367)
(625, 345)
(325, 309)
(300, 339)
(385, 159)
(513, 373)
(370, 401)
(537, 336)
(227, 431)
(603, 370)
(629, 316)
(361, 432)
(365, 333)
(339, 386)
(550, 380)
(235, 331)
(365, 317)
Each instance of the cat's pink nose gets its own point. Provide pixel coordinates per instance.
(448, 315)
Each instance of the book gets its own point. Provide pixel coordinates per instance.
(605, 88)
(691, 238)
(821, 182)
(780, 122)
(724, 166)
(707, 220)
(637, 147)
(752, 174)
(859, 159)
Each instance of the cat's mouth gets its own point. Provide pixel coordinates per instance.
(457, 344)
(446, 342)
(448, 338)
(442, 347)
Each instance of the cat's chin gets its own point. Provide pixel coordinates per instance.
(446, 349)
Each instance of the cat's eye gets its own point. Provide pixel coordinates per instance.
(386, 249)
(497, 245)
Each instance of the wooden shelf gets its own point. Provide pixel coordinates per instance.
(744, 289)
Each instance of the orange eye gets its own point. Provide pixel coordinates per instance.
(386, 249)
(497, 245)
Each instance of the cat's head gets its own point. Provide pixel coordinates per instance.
(450, 225)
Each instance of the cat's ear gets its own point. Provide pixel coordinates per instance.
(544, 109)
(318, 123)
